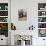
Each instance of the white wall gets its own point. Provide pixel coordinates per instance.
(32, 13)
(3, 1)
(23, 4)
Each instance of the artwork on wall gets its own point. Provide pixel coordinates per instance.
(13, 27)
(41, 25)
(22, 15)
(31, 27)
(3, 19)
(42, 19)
(42, 32)
(4, 29)
(3, 13)
(41, 13)
(42, 6)
(3, 6)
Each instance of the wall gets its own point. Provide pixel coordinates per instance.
(3, 1)
(32, 13)
(19, 4)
